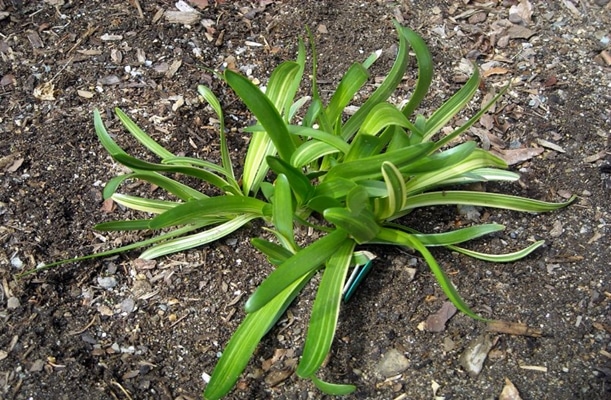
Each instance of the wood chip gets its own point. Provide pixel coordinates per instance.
(90, 52)
(176, 64)
(182, 17)
(534, 368)
(107, 37)
(595, 157)
(34, 39)
(551, 145)
(513, 328)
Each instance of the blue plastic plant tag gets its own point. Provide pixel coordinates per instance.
(359, 273)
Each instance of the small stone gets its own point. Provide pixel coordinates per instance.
(12, 303)
(16, 262)
(393, 362)
(128, 305)
(37, 366)
(107, 282)
(556, 230)
(474, 356)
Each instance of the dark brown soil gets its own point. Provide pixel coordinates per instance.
(157, 328)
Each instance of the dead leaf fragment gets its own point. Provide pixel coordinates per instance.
(44, 91)
(519, 32)
(551, 145)
(521, 13)
(495, 71)
(276, 377)
(108, 206)
(437, 322)
(8, 79)
(182, 17)
(510, 392)
(201, 4)
(516, 156)
(85, 94)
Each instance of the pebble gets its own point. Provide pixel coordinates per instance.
(556, 230)
(128, 305)
(474, 356)
(393, 362)
(16, 262)
(107, 282)
(12, 303)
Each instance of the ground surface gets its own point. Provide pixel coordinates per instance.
(151, 331)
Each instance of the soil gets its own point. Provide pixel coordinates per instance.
(121, 329)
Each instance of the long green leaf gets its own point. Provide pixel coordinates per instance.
(110, 145)
(501, 258)
(213, 101)
(351, 82)
(477, 159)
(383, 91)
(371, 167)
(323, 136)
(208, 236)
(141, 204)
(118, 250)
(392, 236)
(302, 263)
(310, 151)
(383, 115)
(210, 207)
(275, 253)
(325, 311)
(482, 199)
(463, 128)
(362, 227)
(397, 194)
(178, 189)
(457, 236)
(334, 389)
(141, 136)
(282, 216)
(264, 110)
(299, 183)
(441, 160)
(425, 68)
(452, 106)
(245, 339)
(133, 225)
(207, 176)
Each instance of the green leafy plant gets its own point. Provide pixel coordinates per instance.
(352, 178)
